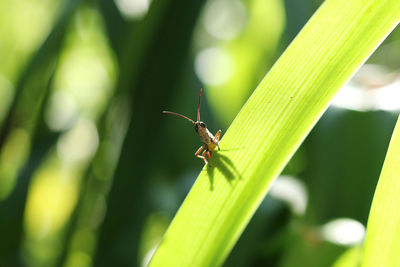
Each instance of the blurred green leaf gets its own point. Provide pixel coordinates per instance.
(350, 258)
(270, 127)
(265, 237)
(306, 248)
(382, 244)
(27, 111)
(337, 188)
(250, 55)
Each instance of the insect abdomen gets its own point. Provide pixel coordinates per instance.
(205, 135)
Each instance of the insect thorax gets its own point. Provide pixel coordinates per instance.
(205, 135)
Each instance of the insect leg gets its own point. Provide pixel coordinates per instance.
(216, 138)
(204, 154)
(197, 154)
(208, 154)
(199, 151)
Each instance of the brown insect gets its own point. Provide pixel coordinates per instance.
(210, 141)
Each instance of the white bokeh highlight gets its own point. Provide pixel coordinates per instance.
(214, 66)
(291, 191)
(133, 8)
(343, 231)
(78, 144)
(62, 111)
(224, 19)
(372, 88)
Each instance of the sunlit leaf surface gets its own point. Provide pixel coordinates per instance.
(382, 244)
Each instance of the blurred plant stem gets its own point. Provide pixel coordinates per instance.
(91, 188)
(34, 85)
(152, 53)
(40, 61)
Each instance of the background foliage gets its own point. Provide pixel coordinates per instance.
(91, 173)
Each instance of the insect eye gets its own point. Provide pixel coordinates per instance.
(202, 124)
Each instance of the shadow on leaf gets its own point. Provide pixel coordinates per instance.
(224, 165)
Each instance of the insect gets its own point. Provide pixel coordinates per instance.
(210, 142)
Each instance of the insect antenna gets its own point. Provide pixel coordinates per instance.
(198, 107)
(179, 115)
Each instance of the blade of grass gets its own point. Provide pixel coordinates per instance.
(382, 244)
(350, 258)
(270, 127)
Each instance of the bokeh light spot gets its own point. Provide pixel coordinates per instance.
(51, 199)
(80, 143)
(225, 19)
(214, 66)
(374, 87)
(344, 231)
(292, 191)
(62, 111)
(133, 8)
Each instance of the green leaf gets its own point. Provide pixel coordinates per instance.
(350, 258)
(382, 244)
(271, 126)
